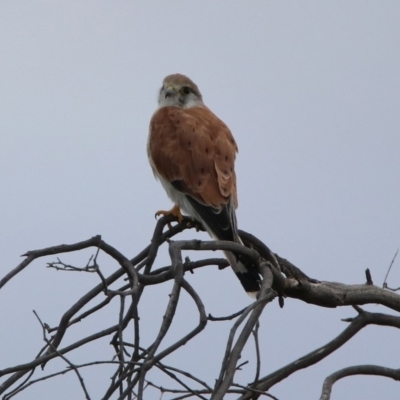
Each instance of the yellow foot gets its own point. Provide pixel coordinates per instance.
(175, 211)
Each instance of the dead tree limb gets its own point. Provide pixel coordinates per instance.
(134, 359)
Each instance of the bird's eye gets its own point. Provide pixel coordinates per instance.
(186, 90)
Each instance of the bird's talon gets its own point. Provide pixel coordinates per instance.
(174, 211)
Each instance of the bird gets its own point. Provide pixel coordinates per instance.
(192, 153)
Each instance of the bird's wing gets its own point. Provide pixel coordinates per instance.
(195, 151)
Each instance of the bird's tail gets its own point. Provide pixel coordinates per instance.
(221, 224)
(246, 272)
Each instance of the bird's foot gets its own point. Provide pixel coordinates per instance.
(175, 211)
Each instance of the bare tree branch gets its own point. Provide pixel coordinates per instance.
(133, 359)
(356, 324)
(357, 370)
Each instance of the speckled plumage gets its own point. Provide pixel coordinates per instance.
(194, 146)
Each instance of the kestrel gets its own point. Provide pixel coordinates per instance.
(192, 152)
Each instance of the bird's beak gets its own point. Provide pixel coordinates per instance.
(169, 91)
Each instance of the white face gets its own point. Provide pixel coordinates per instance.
(175, 95)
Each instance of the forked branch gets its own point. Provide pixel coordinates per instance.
(135, 356)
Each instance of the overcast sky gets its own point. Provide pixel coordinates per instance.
(311, 92)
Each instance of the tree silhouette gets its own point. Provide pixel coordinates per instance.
(133, 360)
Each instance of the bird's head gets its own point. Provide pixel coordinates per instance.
(179, 91)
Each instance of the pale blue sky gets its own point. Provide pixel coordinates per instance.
(311, 92)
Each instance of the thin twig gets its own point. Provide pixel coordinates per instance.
(257, 348)
(70, 364)
(384, 285)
